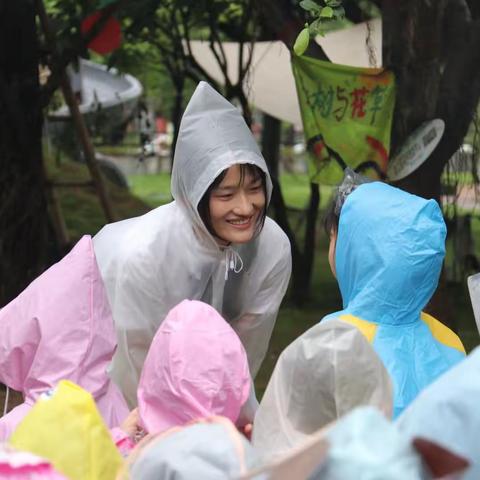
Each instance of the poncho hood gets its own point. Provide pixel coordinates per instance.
(212, 137)
(447, 412)
(321, 376)
(389, 253)
(211, 449)
(196, 367)
(60, 328)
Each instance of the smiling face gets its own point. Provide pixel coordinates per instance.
(236, 205)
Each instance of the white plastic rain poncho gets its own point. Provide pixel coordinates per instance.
(365, 445)
(322, 375)
(448, 412)
(212, 449)
(151, 263)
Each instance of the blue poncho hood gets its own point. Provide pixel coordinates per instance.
(389, 253)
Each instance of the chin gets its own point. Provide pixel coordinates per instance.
(237, 237)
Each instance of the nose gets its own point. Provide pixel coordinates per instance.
(244, 205)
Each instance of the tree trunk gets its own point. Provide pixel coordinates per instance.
(433, 49)
(23, 207)
(302, 261)
(177, 113)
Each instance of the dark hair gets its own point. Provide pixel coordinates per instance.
(331, 218)
(351, 181)
(245, 168)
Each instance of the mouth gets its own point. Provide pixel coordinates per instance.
(241, 223)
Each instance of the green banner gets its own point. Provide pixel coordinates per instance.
(347, 117)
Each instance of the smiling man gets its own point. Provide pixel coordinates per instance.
(213, 243)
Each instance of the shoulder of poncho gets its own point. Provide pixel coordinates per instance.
(164, 227)
(273, 236)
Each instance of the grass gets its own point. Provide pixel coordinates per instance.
(80, 205)
(154, 190)
(83, 215)
(119, 150)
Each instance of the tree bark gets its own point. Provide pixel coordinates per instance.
(302, 259)
(23, 206)
(433, 49)
(177, 112)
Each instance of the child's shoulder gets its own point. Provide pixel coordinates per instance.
(442, 333)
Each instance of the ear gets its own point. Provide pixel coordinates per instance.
(439, 460)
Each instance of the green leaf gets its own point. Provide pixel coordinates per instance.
(315, 28)
(333, 3)
(310, 6)
(327, 12)
(302, 41)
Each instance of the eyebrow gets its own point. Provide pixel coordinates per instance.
(232, 186)
(225, 188)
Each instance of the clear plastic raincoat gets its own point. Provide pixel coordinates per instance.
(364, 444)
(389, 253)
(151, 263)
(322, 375)
(448, 413)
(211, 449)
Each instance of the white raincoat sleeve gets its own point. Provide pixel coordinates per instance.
(262, 302)
(134, 291)
(130, 274)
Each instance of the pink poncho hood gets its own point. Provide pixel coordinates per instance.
(60, 327)
(196, 367)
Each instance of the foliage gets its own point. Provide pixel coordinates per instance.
(331, 10)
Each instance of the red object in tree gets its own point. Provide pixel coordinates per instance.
(161, 125)
(108, 39)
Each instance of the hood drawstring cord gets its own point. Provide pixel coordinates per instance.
(233, 261)
(5, 404)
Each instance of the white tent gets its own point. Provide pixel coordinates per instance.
(352, 46)
(270, 84)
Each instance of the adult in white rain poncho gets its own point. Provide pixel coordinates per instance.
(234, 258)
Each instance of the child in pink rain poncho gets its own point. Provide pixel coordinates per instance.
(16, 465)
(196, 367)
(60, 328)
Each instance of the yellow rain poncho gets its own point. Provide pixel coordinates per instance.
(66, 429)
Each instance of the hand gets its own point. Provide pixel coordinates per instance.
(247, 430)
(130, 424)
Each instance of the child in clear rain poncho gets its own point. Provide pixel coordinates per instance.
(363, 444)
(212, 243)
(386, 250)
(447, 412)
(196, 367)
(209, 449)
(322, 375)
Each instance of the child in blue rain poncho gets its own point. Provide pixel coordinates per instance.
(386, 251)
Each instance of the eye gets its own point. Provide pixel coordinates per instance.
(223, 195)
(256, 187)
